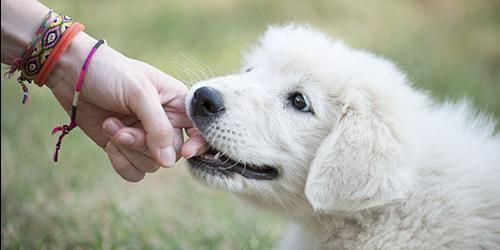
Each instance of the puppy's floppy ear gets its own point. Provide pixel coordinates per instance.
(358, 165)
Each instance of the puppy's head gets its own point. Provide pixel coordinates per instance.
(307, 122)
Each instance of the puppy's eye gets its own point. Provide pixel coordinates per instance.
(248, 69)
(299, 102)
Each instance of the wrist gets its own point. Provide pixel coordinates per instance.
(68, 66)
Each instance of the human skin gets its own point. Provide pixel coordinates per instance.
(131, 109)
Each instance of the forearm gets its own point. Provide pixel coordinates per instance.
(20, 20)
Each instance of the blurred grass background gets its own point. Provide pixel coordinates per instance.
(451, 48)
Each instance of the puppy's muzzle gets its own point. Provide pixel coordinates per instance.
(207, 102)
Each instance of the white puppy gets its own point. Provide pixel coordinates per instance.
(339, 141)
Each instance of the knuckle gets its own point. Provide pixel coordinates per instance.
(137, 91)
(136, 94)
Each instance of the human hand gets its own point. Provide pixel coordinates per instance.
(127, 149)
(136, 94)
(136, 139)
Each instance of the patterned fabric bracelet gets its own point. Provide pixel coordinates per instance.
(65, 129)
(19, 63)
(32, 60)
(63, 43)
(31, 49)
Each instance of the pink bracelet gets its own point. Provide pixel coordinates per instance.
(65, 129)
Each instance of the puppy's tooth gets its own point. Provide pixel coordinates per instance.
(216, 157)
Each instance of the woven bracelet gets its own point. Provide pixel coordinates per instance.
(36, 56)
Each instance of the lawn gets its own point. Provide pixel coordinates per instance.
(450, 48)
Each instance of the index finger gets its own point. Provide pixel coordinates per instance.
(159, 130)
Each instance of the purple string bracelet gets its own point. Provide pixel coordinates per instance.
(66, 128)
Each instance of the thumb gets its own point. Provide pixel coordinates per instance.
(159, 130)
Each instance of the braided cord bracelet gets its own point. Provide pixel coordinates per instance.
(65, 129)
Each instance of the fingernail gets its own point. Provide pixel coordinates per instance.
(126, 139)
(111, 128)
(167, 156)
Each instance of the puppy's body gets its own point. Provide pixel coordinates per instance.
(340, 142)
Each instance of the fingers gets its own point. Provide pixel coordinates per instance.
(195, 145)
(179, 119)
(132, 150)
(122, 165)
(179, 141)
(139, 160)
(172, 94)
(171, 90)
(159, 131)
(129, 158)
(133, 138)
(130, 137)
(111, 125)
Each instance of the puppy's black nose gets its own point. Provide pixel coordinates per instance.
(207, 102)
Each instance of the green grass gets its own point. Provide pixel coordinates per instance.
(449, 48)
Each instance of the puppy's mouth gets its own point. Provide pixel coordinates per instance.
(216, 163)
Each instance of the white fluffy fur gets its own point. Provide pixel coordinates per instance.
(379, 165)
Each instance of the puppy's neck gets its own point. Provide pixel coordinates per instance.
(341, 229)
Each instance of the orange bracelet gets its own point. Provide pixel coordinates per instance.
(56, 53)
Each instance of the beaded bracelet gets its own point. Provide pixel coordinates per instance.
(65, 129)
